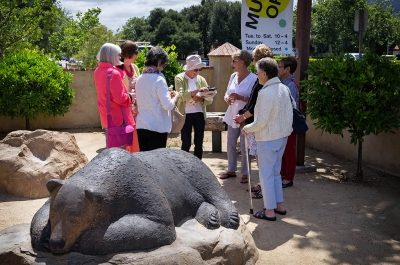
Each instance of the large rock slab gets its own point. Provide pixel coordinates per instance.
(194, 245)
(28, 159)
(215, 121)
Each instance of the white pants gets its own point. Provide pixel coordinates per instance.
(269, 162)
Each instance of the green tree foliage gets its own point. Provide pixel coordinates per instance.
(332, 26)
(171, 69)
(72, 35)
(25, 21)
(225, 23)
(194, 29)
(32, 85)
(358, 96)
(96, 37)
(383, 27)
(136, 29)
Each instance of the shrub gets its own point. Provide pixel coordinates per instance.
(32, 85)
(360, 96)
(170, 70)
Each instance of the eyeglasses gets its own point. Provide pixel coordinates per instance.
(233, 61)
(197, 70)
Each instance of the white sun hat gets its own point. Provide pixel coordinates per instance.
(193, 62)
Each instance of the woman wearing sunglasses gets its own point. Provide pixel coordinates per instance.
(188, 84)
(236, 96)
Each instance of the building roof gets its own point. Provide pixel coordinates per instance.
(225, 49)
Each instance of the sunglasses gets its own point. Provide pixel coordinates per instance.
(197, 70)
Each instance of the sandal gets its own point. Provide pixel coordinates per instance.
(257, 195)
(261, 215)
(244, 179)
(226, 176)
(256, 188)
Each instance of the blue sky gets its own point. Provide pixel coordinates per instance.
(114, 14)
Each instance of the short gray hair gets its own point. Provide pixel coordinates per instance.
(269, 66)
(243, 55)
(156, 55)
(109, 53)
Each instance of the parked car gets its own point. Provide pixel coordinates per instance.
(353, 55)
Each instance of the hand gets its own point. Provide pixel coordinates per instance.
(238, 119)
(172, 93)
(135, 111)
(203, 89)
(235, 96)
(198, 99)
(133, 97)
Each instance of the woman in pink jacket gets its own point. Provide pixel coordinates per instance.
(120, 99)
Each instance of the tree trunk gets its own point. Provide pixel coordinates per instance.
(27, 125)
(359, 174)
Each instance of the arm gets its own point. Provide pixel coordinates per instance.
(261, 112)
(182, 87)
(163, 94)
(118, 90)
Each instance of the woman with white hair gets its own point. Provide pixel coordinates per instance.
(120, 99)
(188, 84)
(273, 117)
(153, 122)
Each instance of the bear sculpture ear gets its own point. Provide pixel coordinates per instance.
(54, 185)
(93, 196)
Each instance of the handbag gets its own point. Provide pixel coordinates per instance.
(299, 120)
(117, 136)
(178, 120)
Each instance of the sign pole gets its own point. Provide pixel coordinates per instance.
(303, 26)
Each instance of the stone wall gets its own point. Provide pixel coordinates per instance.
(381, 151)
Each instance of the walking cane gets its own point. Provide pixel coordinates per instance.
(249, 174)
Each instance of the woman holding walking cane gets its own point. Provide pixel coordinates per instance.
(273, 117)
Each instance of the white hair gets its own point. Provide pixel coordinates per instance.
(109, 53)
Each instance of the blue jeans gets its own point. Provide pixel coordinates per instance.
(233, 135)
(197, 122)
(269, 162)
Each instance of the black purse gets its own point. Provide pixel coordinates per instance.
(299, 120)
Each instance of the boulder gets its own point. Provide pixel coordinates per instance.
(194, 245)
(29, 159)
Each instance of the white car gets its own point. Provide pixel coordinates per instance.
(353, 55)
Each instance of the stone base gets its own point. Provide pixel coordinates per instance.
(194, 245)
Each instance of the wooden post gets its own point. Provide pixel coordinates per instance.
(303, 26)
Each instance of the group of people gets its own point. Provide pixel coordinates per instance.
(260, 113)
(259, 110)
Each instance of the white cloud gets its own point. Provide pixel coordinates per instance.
(114, 14)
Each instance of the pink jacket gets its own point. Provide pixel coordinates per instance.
(119, 96)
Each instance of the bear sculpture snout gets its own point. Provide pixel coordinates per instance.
(56, 243)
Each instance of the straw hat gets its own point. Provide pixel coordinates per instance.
(193, 62)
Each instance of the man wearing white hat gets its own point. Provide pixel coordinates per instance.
(188, 84)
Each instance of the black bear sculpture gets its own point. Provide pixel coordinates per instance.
(122, 202)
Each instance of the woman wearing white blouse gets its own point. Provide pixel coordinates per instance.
(236, 96)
